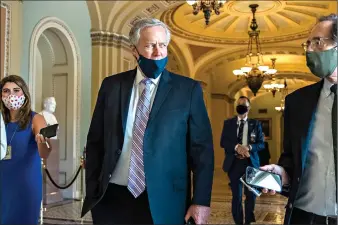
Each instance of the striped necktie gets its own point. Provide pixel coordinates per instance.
(240, 132)
(136, 179)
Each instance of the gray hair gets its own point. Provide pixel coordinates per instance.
(134, 34)
(333, 18)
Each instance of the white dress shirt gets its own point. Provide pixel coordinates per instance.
(317, 191)
(3, 138)
(245, 130)
(121, 172)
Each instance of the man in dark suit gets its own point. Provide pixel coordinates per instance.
(308, 164)
(241, 139)
(149, 130)
(264, 155)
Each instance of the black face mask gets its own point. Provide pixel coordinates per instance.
(241, 109)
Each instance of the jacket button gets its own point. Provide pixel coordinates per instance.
(290, 206)
(298, 179)
(110, 175)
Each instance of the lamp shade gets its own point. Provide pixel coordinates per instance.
(238, 72)
(271, 71)
(246, 69)
(191, 2)
(263, 68)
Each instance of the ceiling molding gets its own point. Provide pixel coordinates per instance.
(199, 51)
(105, 38)
(167, 18)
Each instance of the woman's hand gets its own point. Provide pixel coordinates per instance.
(40, 139)
(44, 145)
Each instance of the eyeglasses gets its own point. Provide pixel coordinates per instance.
(317, 43)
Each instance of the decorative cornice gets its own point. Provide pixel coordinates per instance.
(105, 38)
(167, 17)
(242, 53)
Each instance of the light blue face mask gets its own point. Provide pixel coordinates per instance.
(150, 67)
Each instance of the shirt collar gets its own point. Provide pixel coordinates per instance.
(239, 119)
(326, 87)
(140, 76)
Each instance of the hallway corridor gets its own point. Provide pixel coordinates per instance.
(269, 209)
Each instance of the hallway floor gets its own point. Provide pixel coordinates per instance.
(269, 209)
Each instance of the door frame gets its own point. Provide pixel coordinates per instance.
(63, 28)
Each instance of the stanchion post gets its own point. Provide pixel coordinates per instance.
(81, 185)
(43, 166)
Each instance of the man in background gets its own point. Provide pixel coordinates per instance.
(241, 139)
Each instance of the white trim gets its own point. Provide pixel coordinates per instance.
(7, 37)
(61, 26)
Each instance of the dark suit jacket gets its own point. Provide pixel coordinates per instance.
(299, 115)
(264, 155)
(178, 138)
(229, 141)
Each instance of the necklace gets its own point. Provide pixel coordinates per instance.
(9, 146)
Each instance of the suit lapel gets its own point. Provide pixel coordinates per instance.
(235, 127)
(126, 88)
(251, 126)
(162, 92)
(309, 112)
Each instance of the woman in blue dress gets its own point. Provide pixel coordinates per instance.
(20, 170)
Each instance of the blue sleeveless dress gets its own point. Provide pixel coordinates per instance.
(21, 178)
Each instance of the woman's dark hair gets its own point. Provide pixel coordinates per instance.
(333, 18)
(24, 115)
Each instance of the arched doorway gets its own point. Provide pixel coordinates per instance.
(54, 70)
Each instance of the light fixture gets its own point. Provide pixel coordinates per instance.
(281, 107)
(206, 6)
(282, 102)
(273, 87)
(254, 71)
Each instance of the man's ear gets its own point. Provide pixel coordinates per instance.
(134, 52)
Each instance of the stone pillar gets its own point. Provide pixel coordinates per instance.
(111, 55)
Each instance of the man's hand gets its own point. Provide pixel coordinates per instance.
(277, 170)
(199, 213)
(243, 151)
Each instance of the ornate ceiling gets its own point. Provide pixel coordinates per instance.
(210, 53)
(277, 20)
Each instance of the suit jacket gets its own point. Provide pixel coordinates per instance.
(299, 115)
(177, 140)
(229, 141)
(264, 155)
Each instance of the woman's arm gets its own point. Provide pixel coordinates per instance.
(3, 138)
(44, 145)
